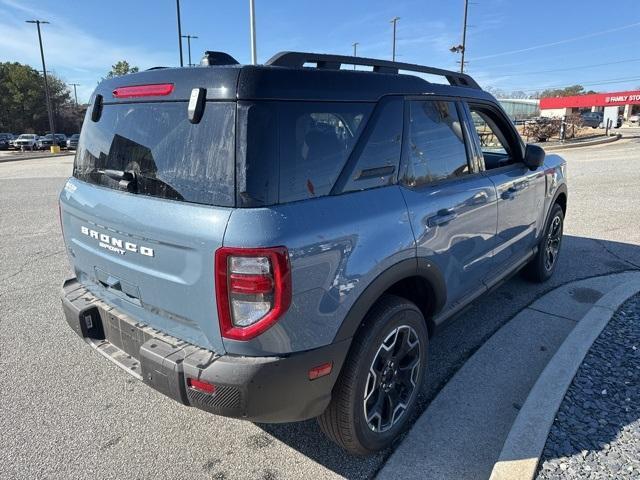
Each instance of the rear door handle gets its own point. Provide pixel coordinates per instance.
(509, 194)
(442, 217)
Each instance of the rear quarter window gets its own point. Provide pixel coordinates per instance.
(315, 140)
(291, 151)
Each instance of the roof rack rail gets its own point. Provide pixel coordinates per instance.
(333, 62)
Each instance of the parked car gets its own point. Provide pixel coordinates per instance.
(26, 141)
(592, 119)
(46, 141)
(72, 141)
(5, 141)
(279, 242)
(635, 118)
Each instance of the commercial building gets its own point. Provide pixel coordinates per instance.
(520, 108)
(611, 104)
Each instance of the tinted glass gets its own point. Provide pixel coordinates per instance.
(171, 157)
(436, 149)
(315, 140)
(378, 160)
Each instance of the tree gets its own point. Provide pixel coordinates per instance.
(23, 105)
(121, 68)
(566, 92)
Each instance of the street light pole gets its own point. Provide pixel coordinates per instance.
(394, 20)
(189, 37)
(464, 35)
(179, 32)
(252, 21)
(75, 94)
(355, 51)
(44, 74)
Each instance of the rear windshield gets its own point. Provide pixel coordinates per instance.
(169, 156)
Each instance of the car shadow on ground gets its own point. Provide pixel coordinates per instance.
(451, 346)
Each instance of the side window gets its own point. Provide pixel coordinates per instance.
(493, 139)
(488, 133)
(379, 158)
(315, 141)
(436, 149)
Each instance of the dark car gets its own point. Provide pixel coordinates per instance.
(592, 119)
(279, 242)
(5, 140)
(46, 141)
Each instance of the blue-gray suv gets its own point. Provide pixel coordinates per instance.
(279, 242)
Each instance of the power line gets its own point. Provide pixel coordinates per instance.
(563, 55)
(588, 84)
(573, 68)
(559, 42)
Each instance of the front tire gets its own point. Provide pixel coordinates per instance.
(376, 393)
(542, 266)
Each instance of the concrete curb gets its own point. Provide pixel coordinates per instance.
(589, 143)
(34, 157)
(524, 445)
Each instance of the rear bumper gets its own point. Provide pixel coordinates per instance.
(260, 389)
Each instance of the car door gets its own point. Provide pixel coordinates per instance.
(451, 204)
(520, 191)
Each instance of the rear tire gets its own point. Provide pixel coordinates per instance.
(375, 395)
(544, 263)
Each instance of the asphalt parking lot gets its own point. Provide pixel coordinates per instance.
(65, 412)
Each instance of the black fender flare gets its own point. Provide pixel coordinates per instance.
(410, 267)
(562, 188)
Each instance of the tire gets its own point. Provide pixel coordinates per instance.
(391, 324)
(544, 263)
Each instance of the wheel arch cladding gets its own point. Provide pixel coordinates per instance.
(561, 198)
(416, 280)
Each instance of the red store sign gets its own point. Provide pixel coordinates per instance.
(595, 100)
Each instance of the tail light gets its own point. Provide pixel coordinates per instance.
(153, 90)
(253, 289)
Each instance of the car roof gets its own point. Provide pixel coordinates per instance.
(286, 78)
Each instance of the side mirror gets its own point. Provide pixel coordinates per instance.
(533, 156)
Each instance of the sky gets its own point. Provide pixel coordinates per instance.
(511, 44)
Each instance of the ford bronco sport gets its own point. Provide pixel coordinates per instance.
(279, 242)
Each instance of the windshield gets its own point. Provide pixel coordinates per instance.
(26, 136)
(169, 156)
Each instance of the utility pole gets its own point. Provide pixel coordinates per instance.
(355, 51)
(189, 37)
(75, 94)
(252, 21)
(44, 74)
(464, 34)
(462, 48)
(179, 32)
(394, 20)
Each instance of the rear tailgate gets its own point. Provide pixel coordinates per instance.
(149, 258)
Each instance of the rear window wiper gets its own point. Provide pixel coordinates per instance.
(135, 182)
(125, 178)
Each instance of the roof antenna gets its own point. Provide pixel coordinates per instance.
(217, 58)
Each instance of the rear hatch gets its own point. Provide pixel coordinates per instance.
(150, 198)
